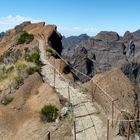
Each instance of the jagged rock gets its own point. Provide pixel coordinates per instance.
(136, 34)
(10, 57)
(19, 28)
(107, 36)
(55, 42)
(132, 70)
(127, 36)
(82, 60)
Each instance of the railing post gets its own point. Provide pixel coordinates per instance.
(54, 71)
(91, 84)
(69, 93)
(112, 105)
(128, 131)
(107, 129)
(74, 130)
(48, 136)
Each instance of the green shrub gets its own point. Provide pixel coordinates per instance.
(17, 81)
(49, 113)
(34, 57)
(7, 99)
(33, 69)
(25, 38)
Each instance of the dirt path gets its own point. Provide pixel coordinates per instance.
(89, 125)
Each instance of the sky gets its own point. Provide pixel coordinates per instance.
(73, 17)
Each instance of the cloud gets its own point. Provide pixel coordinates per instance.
(68, 31)
(11, 21)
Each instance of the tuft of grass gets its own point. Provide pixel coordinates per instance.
(50, 50)
(7, 99)
(84, 90)
(20, 65)
(10, 69)
(3, 77)
(97, 113)
(34, 57)
(17, 81)
(33, 69)
(69, 118)
(25, 38)
(49, 113)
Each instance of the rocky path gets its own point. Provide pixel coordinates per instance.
(89, 125)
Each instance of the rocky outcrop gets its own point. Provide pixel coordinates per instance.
(55, 42)
(10, 56)
(107, 36)
(131, 35)
(127, 36)
(19, 28)
(136, 34)
(132, 70)
(83, 60)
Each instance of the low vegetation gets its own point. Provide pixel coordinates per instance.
(50, 50)
(3, 76)
(84, 90)
(25, 38)
(17, 81)
(49, 113)
(34, 57)
(69, 118)
(10, 69)
(20, 65)
(33, 69)
(7, 99)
